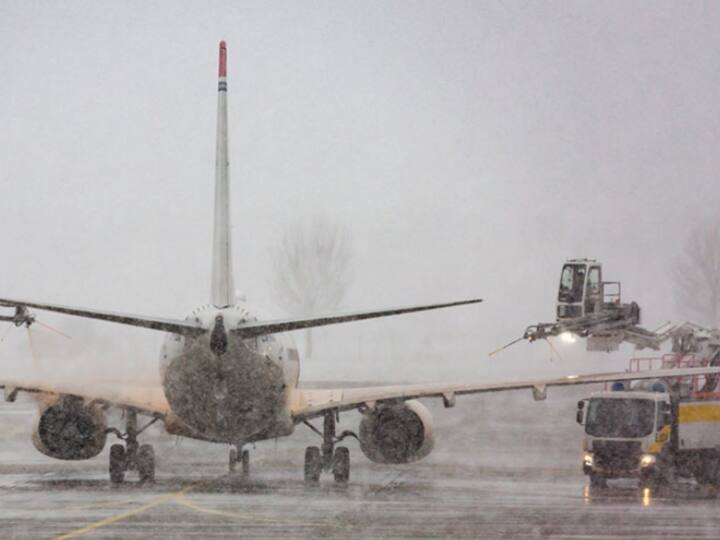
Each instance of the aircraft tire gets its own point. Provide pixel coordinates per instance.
(313, 465)
(146, 463)
(341, 465)
(245, 460)
(232, 460)
(117, 463)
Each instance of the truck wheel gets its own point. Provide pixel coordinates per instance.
(597, 481)
(701, 477)
(654, 478)
(648, 481)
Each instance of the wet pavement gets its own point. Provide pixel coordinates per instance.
(461, 502)
(504, 478)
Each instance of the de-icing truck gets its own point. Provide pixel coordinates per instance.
(654, 430)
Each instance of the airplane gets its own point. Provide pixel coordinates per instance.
(229, 377)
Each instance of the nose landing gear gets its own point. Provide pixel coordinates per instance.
(131, 455)
(328, 457)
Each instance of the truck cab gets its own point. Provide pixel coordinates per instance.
(581, 289)
(625, 432)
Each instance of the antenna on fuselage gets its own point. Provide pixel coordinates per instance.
(222, 293)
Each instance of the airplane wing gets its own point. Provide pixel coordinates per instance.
(310, 403)
(253, 329)
(148, 399)
(153, 323)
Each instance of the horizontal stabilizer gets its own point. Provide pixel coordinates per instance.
(285, 325)
(152, 323)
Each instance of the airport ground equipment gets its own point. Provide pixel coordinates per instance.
(657, 430)
(591, 308)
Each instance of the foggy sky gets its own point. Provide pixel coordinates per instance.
(470, 147)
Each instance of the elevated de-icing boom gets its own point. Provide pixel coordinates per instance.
(591, 308)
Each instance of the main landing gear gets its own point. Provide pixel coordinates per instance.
(327, 457)
(131, 455)
(238, 455)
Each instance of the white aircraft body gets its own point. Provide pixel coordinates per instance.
(228, 377)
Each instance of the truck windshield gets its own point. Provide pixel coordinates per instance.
(572, 281)
(618, 417)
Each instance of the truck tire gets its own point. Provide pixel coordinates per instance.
(707, 472)
(650, 480)
(597, 481)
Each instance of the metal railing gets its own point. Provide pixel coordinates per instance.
(700, 386)
(611, 296)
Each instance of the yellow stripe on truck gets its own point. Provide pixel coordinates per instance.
(662, 437)
(699, 412)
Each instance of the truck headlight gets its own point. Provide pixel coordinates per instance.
(588, 459)
(647, 460)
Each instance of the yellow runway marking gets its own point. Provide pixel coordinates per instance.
(117, 517)
(102, 504)
(189, 504)
(184, 501)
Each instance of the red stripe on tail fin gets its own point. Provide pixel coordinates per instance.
(222, 69)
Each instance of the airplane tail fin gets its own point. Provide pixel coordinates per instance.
(222, 290)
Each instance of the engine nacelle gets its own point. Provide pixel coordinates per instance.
(67, 428)
(396, 433)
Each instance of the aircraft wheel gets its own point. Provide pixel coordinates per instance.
(118, 463)
(232, 460)
(146, 463)
(341, 464)
(245, 460)
(313, 464)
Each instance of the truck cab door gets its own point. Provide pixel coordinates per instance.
(593, 291)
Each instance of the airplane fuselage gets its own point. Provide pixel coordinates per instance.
(236, 393)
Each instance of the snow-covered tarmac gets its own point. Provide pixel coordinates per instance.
(504, 467)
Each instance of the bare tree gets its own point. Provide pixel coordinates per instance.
(312, 268)
(697, 275)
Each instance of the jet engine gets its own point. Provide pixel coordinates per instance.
(68, 428)
(396, 433)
